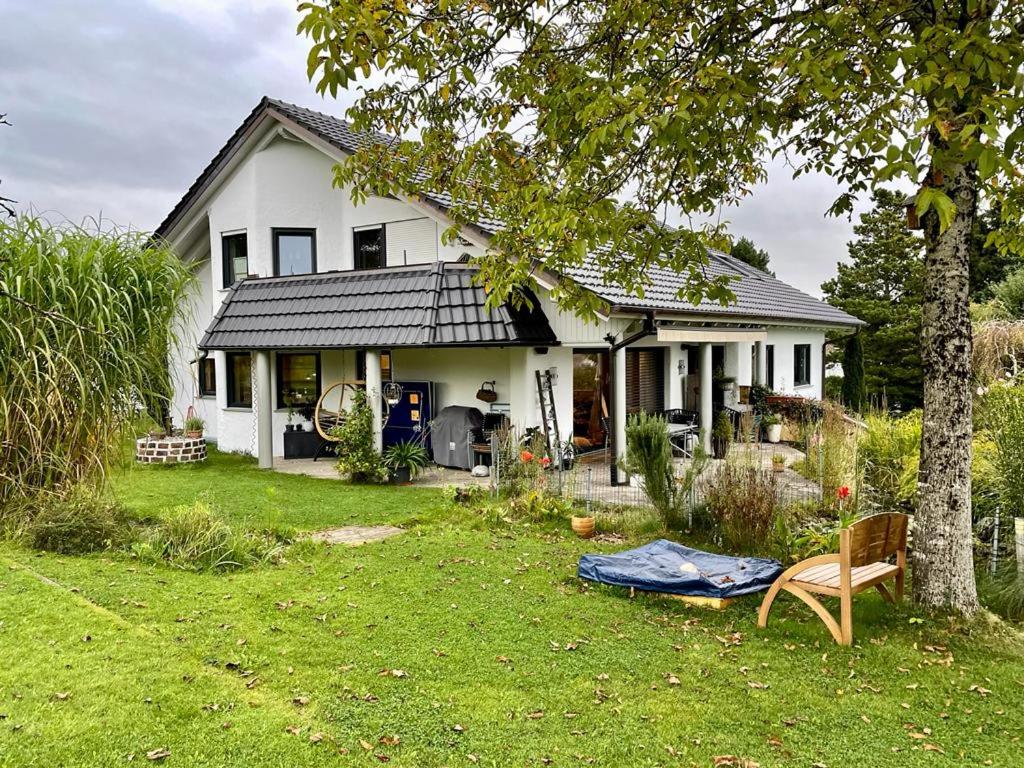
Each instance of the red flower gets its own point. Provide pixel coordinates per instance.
(545, 461)
(842, 492)
(526, 457)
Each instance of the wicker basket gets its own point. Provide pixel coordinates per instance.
(487, 393)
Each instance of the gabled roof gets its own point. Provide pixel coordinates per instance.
(433, 305)
(758, 294)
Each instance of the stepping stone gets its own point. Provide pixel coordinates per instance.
(354, 535)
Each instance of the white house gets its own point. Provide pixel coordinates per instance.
(299, 289)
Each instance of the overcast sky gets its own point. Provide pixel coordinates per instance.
(116, 106)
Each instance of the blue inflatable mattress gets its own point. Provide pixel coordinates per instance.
(664, 566)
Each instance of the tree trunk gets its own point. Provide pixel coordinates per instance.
(943, 566)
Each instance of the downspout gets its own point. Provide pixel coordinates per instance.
(613, 347)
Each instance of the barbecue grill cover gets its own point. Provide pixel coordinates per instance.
(449, 434)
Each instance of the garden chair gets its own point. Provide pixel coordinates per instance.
(863, 562)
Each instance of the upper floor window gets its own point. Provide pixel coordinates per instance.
(207, 377)
(801, 365)
(368, 248)
(235, 252)
(239, 365)
(294, 251)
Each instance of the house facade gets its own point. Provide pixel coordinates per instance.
(300, 289)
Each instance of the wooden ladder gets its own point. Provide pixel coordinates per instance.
(549, 416)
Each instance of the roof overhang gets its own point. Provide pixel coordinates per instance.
(717, 335)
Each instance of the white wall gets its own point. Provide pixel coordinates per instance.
(783, 340)
(289, 184)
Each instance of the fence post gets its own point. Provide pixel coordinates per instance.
(995, 544)
(496, 463)
(1018, 531)
(590, 471)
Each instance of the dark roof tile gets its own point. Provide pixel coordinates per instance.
(380, 308)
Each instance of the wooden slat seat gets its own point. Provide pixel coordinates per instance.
(862, 562)
(825, 579)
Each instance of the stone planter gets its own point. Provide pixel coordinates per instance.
(170, 450)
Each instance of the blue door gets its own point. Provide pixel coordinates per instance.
(409, 419)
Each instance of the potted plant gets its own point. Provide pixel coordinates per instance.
(307, 412)
(290, 405)
(778, 462)
(404, 460)
(194, 427)
(773, 427)
(583, 526)
(721, 435)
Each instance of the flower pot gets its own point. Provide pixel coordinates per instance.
(774, 433)
(157, 434)
(583, 526)
(401, 475)
(194, 434)
(778, 467)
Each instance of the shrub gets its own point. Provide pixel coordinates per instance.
(194, 538)
(890, 450)
(1003, 591)
(357, 457)
(649, 456)
(743, 500)
(521, 468)
(83, 521)
(1005, 405)
(538, 506)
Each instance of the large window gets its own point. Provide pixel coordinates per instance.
(645, 380)
(239, 366)
(294, 251)
(298, 379)
(801, 365)
(235, 252)
(207, 377)
(368, 248)
(770, 365)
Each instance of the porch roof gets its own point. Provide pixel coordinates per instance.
(434, 304)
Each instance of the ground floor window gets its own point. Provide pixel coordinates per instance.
(645, 380)
(207, 377)
(298, 379)
(386, 373)
(769, 350)
(239, 370)
(801, 365)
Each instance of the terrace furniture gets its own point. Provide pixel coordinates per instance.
(325, 419)
(865, 548)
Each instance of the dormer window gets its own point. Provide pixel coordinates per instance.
(294, 251)
(368, 248)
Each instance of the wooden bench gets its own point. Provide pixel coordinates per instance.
(862, 563)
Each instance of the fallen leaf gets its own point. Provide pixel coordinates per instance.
(390, 741)
(300, 701)
(316, 738)
(732, 761)
(158, 754)
(365, 744)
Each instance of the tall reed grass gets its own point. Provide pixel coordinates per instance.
(87, 319)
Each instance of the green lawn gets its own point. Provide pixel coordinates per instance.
(460, 642)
